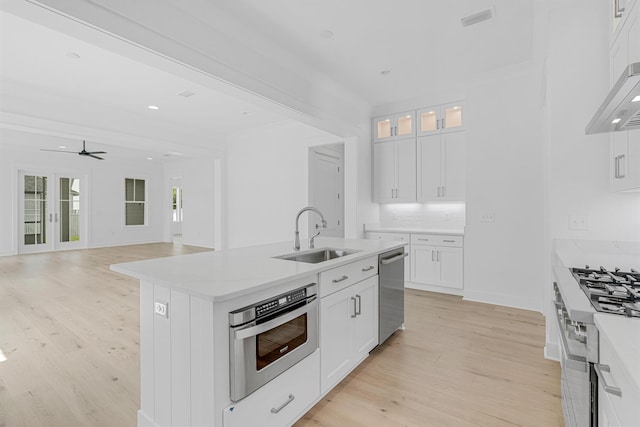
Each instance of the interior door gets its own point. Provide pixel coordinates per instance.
(50, 212)
(326, 191)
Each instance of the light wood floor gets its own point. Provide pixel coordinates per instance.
(69, 329)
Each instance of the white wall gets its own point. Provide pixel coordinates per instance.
(419, 215)
(104, 193)
(200, 187)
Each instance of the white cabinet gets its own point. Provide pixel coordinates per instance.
(394, 171)
(394, 126)
(441, 167)
(348, 330)
(440, 119)
(624, 148)
(437, 260)
(282, 401)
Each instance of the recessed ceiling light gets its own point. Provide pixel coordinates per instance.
(385, 72)
(72, 55)
(62, 146)
(246, 113)
(636, 99)
(149, 158)
(154, 107)
(474, 18)
(456, 108)
(186, 93)
(326, 34)
(614, 121)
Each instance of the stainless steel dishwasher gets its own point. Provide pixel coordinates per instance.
(391, 293)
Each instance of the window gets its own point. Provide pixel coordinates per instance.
(177, 204)
(134, 201)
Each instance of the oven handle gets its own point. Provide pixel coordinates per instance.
(280, 320)
(599, 368)
(573, 362)
(385, 261)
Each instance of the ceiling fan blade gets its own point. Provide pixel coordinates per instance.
(59, 151)
(95, 157)
(97, 152)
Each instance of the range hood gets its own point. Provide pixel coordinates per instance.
(621, 108)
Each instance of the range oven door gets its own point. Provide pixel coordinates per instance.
(575, 381)
(261, 350)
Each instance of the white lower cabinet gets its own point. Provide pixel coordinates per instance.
(280, 402)
(606, 413)
(437, 260)
(348, 330)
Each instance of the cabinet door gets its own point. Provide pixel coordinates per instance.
(382, 128)
(606, 413)
(405, 126)
(336, 311)
(423, 264)
(406, 170)
(365, 324)
(429, 120)
(450, 267)
(454, 166)
(384, 178)
(452, 118)
(429, 168)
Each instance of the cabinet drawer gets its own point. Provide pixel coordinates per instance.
(299, 386)
(392, 237)
(341, 277)
(436, 240)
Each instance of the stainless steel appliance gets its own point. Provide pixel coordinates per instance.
(267, 338)
(616, 293)
(391, 293)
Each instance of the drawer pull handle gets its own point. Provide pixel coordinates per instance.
(371, 267)
(343, 278)
(281, 407)
(449, 241)
(424, 240)
(608, 388)
(355, 308)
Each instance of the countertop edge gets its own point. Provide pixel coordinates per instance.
(440, 231)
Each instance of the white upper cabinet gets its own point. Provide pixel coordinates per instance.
(394, 171)
(440, 119)
(441, 167)
(394, 126)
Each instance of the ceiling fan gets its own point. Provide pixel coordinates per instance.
(84, 152)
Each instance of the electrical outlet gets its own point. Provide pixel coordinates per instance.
(488, 217)
(578, 223)
(161, 308)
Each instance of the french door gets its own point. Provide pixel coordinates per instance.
(51, 212)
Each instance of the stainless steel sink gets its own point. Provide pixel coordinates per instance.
(315, 256)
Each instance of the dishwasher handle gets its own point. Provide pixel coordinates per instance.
(385, 261)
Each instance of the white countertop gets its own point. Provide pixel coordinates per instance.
(624, 335)
(223, 275)
(380, 229)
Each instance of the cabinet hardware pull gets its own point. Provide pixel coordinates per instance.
(424, 240)
(608, 388)
(343, 278)
(281, 407)
(56, 217)
(617, 167)
(355, 310)
(438, 191)
(359, 310)
(371, 267)
(432, 257)
(443, 123)
(618, 10)
(437, 124)
(449, 241)
(621, 168)
(443, 191)
(392, 259)
(438, 256)
(50, 217)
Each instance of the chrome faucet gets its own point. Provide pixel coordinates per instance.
(296, 243)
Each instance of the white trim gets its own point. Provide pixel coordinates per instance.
(532, 304)
(552, 351)
(433, 288)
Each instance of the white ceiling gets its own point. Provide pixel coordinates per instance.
(420, 41)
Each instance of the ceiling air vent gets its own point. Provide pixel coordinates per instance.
(186, 93)
(474, 18)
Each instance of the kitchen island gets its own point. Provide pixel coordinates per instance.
(185, 303)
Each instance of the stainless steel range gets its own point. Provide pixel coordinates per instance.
(616, 292)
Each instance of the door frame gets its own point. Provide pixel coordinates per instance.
(52, 210)
(335, 151)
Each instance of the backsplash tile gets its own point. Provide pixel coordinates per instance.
(416, 215)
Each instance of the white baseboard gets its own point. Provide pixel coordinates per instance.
(144, 420)
(433, 288)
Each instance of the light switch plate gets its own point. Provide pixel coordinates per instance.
(488, 217)
(161, 308)
(578, 223)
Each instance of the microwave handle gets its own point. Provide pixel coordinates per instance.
(280, 320)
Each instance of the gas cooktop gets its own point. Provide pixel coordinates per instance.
(616, 292)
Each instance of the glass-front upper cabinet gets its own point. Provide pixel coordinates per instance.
(440, 118)
(395, 126)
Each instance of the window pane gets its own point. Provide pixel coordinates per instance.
(134, 214)
(139, 191)
(128, 187)
(64, 220)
